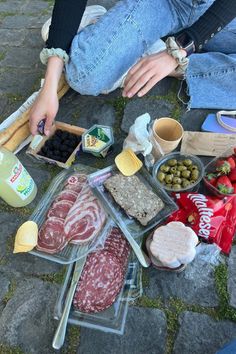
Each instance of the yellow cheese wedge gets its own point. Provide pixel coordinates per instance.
(26, 237)
(128, 163)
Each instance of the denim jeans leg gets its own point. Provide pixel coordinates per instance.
(103, 52)
(211, 76)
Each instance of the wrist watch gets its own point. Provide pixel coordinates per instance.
(185, 42)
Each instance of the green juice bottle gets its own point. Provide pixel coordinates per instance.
(17, 187)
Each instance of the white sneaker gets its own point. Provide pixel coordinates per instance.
(91, 15)
(157, 47)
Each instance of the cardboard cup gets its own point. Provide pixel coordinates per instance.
(168, 133)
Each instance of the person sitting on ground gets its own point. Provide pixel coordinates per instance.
(122, 49)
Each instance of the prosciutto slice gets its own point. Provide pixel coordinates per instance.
(51, 237)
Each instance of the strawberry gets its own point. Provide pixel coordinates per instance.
(223, 167)
(231, 161)
(211, 178)
(234, 187)
(232, 175)
(224, 185)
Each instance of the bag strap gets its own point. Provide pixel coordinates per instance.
(223, 124)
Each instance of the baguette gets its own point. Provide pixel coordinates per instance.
(16, 139)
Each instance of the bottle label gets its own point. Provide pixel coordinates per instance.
(20, 181)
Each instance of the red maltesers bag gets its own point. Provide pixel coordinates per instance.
(213, 219)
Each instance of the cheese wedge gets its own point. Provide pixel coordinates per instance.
(128, 163)
(174, 244)
(26, 237)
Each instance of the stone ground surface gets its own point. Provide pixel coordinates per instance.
(189, 312)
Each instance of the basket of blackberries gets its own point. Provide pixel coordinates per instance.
(60, 146)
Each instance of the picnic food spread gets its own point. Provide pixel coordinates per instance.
(134, 197)
(96, 218)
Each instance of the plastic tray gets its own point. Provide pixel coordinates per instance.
(96, 181)
(113, 319)
(211, 168)
(70, 253)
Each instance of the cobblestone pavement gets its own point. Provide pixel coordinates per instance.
(189, 312)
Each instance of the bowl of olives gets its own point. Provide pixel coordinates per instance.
(178, 172)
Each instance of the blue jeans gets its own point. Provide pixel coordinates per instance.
(103, 52)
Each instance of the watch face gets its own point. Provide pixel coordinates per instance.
(185, 42)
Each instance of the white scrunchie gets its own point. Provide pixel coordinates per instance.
(53, 52)
(175, 51)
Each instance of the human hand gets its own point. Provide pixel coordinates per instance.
(147, 72)
(45, 107)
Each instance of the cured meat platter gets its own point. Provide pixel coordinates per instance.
(71, 220)
(113, 203)
(111, 319)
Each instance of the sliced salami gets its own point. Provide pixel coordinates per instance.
(60, 209)
(69, 195)
(51, 237)
(76, 182)
(117, 244)
(100, 283)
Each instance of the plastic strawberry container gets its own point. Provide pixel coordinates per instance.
(211, 168)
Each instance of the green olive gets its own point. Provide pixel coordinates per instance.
(182, 168)
(161, 176)
(165, 168)
(180, 162)
(168, 185)
(168, 179)
(185, 183)
(186, 174)
(187, 162)
(177, 180)
(172, 162)
(173, 169)
(193, 167)
(194, 175)
(176, 186)
(192, 181)
(177, 173)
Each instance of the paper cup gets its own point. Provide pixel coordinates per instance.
(168, 133)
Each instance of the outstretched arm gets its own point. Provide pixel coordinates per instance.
(151, 69)
(66, 19)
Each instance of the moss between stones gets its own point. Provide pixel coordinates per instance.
(55, 278)
(10, 350)
(119, 105)
(14, 97)
(2, 54)
(174, 307)
(72, 340)
(224, 311)
(10, 293)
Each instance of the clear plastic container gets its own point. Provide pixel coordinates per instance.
(113, 319)
(96, 181)
(211, 168)
(71, 252)
(97, 140)
(178, 156)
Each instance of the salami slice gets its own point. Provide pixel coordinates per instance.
(76, 182)
(51, 237)
(69, 195)
(117, 244)
(60, 209)
(100, 283)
